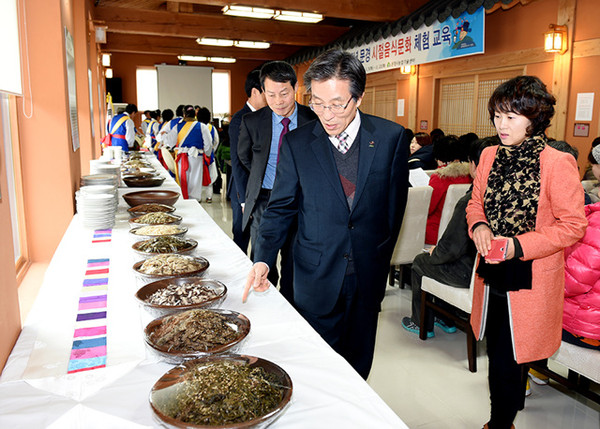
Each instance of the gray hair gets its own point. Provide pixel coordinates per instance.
(339, 64)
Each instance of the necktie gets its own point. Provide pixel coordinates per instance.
(286, 127)
(343, 144)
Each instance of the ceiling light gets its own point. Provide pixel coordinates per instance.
(106, 60)
(249, 12)
(555, 40)
(109, 73)
(191, 58)
(251, 45)
(221, 60)
(214, 42)
(305, 17)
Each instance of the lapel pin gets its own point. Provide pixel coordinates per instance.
(371, 144)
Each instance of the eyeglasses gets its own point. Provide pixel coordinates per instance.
(336, 109)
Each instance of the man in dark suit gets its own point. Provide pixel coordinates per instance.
(256, 100)
(260, 137)
(345, 177)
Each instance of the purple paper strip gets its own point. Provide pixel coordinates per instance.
(95, 282)
(91, 316)
(92, 298)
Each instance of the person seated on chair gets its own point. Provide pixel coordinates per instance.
(593, 194)
(451, 171)
(451, 261)
(421, 153)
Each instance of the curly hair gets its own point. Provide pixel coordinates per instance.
(527, 96)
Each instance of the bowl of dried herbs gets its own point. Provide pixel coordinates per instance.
(159, 267)
(195, 333)
(228, 391)
(164, 244)
(169, 296)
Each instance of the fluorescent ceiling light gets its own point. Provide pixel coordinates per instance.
(249, 12)
(214, 42)
(221, 60)
(109, 73)
(191, 58)
(305, 17)
(106, 60)
(251, 45)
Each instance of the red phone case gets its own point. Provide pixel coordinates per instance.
(498, 251)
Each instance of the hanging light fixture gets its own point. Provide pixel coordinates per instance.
(109, 73)
(407, 69)
(555, 40)
(106, 60)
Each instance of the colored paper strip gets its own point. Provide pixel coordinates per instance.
(89, 352)
(89, 332)
(90, 316)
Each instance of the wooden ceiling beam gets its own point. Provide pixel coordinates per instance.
(143, 44)
(365, 10)
(132, 21)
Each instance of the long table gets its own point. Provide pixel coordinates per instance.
(42, 385)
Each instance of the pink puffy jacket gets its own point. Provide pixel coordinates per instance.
(581, 315)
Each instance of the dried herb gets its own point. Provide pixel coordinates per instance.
(170, 264)
(159, 230)
(164, 244)
(183, 294)
(194, 330)
(225, 393)
(151, 207)
(156, 219)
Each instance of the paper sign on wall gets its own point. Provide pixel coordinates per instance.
(585, 106)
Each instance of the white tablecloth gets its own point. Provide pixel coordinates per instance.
(36, 391)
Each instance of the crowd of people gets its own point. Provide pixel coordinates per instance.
(324, 188)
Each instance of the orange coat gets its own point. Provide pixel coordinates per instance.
(536, 313)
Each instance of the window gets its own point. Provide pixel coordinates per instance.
(220, 94)
(147, 89)
(10, 72)
(462, 102)
(380, 101)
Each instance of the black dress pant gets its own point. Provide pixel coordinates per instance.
(507, 379)
(240, 237)
(350, 328)
(286, 283)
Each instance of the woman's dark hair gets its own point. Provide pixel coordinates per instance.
(444, 149)
(131, 109)
(527, 96)
(338, 64)
(278, 71)
(591, 158)
(189, 112)
(167, 115)
(436, 134)
(462, 147)
(477, 147)
(423, 139)
(203, 115)
(179, 110)
(153, 114)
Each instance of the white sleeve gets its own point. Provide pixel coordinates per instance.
(207, 138)
(129, 132)
(170, 139)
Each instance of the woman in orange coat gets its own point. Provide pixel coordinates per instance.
(529, 193)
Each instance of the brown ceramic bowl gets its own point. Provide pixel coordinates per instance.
(143, 209)
(191, 246)
(235, 320)
(153, 277)
(143, 182)
(164, 393)
(141, 197)
(158, 310)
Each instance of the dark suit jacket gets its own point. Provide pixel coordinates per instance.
(254, 146)
(308, 186)
(240, 174)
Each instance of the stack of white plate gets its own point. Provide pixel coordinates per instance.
(99, 179)
(106, 169)
(97, 205)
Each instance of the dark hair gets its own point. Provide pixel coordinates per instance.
(167, 115)
(423, 139)
(462, 147)
(253, 81)
(147, 112)
(203, 115)
(527, 96)
(477, 147)
(444, 149)
(131, 108)
(591, 158)
(278, 71)
(189, 112)
(596, 142)
(338, 64)
(409, 134)
(153, 114)
(436, 134)
(563, 146)
(179, 110)
(196, 107)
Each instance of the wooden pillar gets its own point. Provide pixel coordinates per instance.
(561, 81)
(413, 94)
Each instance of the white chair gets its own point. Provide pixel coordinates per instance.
(588, 185)
(583, 365)
(411, 238)
(454, 193)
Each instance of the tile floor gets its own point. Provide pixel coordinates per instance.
(428, 384)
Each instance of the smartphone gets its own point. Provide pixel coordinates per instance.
(498, 251)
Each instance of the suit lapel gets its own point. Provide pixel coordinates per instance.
(367, 149)
(320, 147)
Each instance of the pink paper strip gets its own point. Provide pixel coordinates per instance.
(90, 352)
(90, 332)
(89, 305)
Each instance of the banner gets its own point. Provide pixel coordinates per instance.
(455, 37)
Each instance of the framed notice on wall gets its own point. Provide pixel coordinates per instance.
(72, 89)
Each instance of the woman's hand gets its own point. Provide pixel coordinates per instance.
(482, 237)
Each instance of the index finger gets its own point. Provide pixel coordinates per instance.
(249, 282)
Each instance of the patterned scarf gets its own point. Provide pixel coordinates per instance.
(513, 188)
